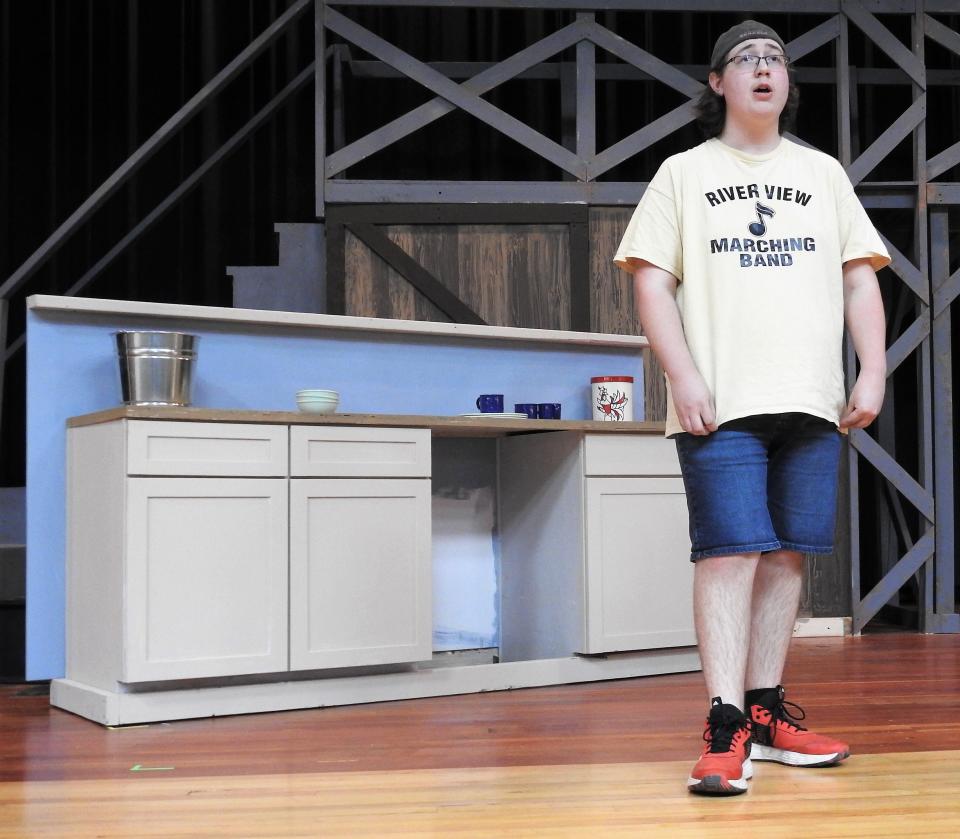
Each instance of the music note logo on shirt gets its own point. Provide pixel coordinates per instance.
(759, 227)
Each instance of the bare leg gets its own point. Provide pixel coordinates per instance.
(776, 598)
(722, 590)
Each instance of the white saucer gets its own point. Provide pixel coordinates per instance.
(503, 415)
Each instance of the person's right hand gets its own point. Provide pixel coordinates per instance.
(694, 404)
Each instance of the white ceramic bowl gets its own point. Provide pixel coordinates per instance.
(318, 400)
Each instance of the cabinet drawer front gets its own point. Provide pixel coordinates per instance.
(318, 451)
(621, 454)
(214, 449)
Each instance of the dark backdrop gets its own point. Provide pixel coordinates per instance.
(85, 82)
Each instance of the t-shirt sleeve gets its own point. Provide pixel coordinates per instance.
(653, 233)
(858, 237)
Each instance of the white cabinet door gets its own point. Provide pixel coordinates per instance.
(359, 572)
(205, 592)
(638, 572)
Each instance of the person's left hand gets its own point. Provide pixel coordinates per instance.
(865, 402)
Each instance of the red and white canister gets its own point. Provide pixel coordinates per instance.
(612, 398)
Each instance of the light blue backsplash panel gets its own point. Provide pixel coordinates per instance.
(72, 369)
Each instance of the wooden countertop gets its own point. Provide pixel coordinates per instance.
(441, 426)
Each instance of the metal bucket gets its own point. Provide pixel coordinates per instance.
(156, 368)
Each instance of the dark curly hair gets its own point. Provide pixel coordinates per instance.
(711, 109)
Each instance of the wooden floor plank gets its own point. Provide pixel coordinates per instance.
(907, 794)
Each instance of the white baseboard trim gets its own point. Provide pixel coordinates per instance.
(822, 627)
(123, 707)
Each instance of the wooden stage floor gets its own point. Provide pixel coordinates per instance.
(594, 760)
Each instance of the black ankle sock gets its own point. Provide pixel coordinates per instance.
(761, 696)
(717, 702)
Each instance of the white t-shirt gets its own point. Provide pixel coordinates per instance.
(758, 243)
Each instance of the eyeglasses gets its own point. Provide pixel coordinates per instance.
(747, 61)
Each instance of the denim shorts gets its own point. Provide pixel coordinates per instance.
(761, 483)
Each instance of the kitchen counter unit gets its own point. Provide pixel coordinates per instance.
(223, 562)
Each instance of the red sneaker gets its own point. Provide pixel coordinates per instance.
(778, 735)
(724, 767)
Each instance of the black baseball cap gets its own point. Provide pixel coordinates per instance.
(737, 35)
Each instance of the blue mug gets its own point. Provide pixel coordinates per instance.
(490, 403)
(548, 410)
(528, 408)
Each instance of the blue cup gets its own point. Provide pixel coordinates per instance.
(528, 408)
(490, 403)
(548, 410)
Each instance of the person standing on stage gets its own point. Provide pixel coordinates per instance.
(749, 252)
